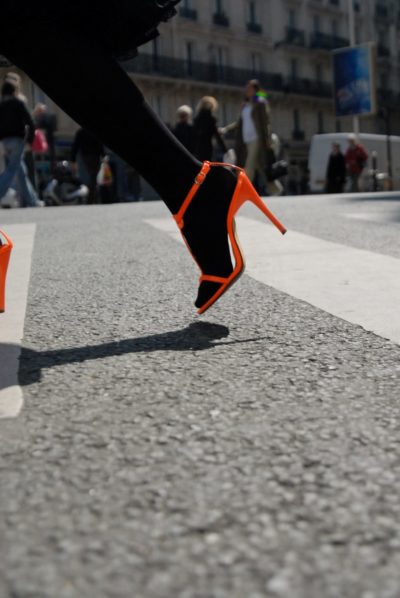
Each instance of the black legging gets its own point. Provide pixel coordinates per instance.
(86, 81)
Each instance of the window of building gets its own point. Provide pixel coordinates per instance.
(256, 62)
(320, 122)
(220, 17)
(292, 18)
(252, 11)
(384, 81)
(155, 47)
(316, 23)
(219, 6)
(219, 59)
(222, 57)
(187, 9)
(294, 68)
(156, 52)
(296, 120)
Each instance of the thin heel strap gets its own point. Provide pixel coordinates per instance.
(198, 181)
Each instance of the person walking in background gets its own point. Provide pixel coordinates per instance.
(29, 159)
(336, 170)
(86, 154)
(356, 159)
(293, 178)
(16, 126)
(134, 185)
(8, 171)
(15, 79)
(46, 121)
(254, 148)
(183, 130)
(206, 130)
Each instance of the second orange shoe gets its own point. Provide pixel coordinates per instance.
(5, 252)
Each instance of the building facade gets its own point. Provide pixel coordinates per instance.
(214, 46)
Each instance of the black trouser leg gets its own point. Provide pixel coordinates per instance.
(82, 77)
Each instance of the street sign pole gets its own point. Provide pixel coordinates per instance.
(352, 32)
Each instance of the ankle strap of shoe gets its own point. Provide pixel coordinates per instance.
(198, 181)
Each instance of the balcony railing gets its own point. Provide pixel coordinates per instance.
(307, 87)
(323, 41)
(254, 27)
(294, 36)
(383, 51)
(220, 18)
(175, 68)
(388, 98)
(381, 11)
(298, 135)
(188, 13)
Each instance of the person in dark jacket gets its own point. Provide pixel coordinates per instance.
(16, 127)
(336, 170)
(206, 130)
(254, 143)
(356, 158)
(86, 154)
(183, 129)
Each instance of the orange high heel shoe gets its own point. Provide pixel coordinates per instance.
(5, 252)
(244, 191)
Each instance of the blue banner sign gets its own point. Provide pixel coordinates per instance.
(355, 80)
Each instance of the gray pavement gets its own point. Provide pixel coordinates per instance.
(252, 452)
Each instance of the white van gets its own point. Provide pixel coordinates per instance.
(321, 146)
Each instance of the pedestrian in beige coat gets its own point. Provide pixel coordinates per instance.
(253, 144)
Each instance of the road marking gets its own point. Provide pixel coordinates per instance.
(12, 321)
(358, 286)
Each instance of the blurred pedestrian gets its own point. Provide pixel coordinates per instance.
(206, 130)
(336, 170)
(254, 144)
(293, 178)
(86, 155)
(356, 159)
(29, 159)
(16, 126)
(16, 80)
(46, 121)
(105, 182)
(183, 130)
(304, 179)
(135, 190)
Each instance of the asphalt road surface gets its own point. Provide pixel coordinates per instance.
(252, 452)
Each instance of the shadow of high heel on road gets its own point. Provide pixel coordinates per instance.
(198, 336)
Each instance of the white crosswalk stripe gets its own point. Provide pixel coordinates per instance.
(358, 286)
(12, 321)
